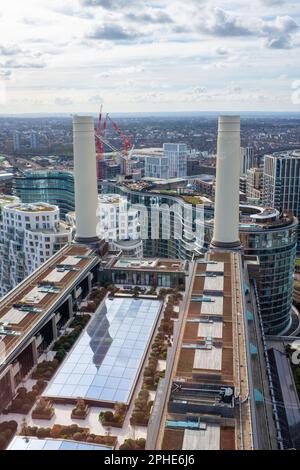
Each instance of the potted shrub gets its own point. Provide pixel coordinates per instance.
(43, 410)
(80, 411)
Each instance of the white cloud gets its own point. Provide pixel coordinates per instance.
(218, 22)
(168, 52)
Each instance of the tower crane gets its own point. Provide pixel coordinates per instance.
(101, 140)
(126, 142)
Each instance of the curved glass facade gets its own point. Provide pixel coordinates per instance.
(276, 251)
(274, 245)
(183, 242)
(52, 187)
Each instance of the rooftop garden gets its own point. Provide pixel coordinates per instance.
(34, 208)
(4, 198)
(94, 299)
(193, 200)
(151, 375)
(166, 192)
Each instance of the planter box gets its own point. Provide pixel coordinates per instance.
(135, 423)
(37, 415)
(75, 416)
(112, 424)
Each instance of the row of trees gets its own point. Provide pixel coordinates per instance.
(142, 408)
(72, 432)
(24, 400)
(159, 348)
(95, 298)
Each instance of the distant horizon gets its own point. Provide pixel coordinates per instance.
(154, 113)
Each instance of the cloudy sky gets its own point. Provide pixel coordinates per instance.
(139, 55)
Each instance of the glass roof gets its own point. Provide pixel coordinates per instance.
(105, 362)
(32, 443)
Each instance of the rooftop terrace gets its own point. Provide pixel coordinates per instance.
(206, 371)
(35, 207)
(30, 302)
(149, 264)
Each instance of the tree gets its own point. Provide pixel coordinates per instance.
(108, 416)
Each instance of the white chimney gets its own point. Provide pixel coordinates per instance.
(226, 224)
(85, 174)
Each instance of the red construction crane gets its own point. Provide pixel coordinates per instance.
(125, 155)
(126, 141)
(99, 144)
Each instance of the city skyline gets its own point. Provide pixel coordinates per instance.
(149, 56)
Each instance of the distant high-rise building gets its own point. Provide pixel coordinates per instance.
(156, 166)
(243, 186)
(34, 139)
(29, 235)
(281, 183)
(247, 159)
(51, 187)
(170, 163)
(177, 159)
(254, 185)
(17, 141)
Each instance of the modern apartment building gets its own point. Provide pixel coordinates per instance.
(265, 233)
(170, 163)
(29, 235)
(118, 224)
(16, 141)
(282, 183)
(177, 159)
(51, 187)
(254, 185)
(33, 140)
(247, 159)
